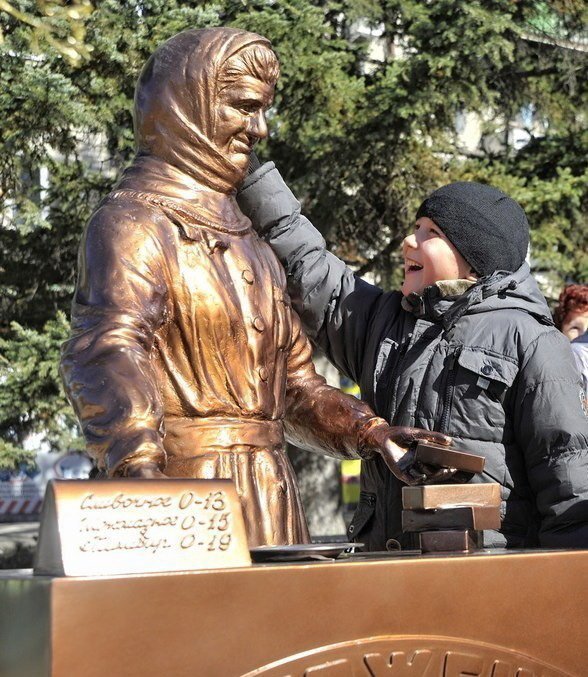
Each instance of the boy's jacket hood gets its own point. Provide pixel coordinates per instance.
(500, 291)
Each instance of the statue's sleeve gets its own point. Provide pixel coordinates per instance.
(318, 416)
(119, 303)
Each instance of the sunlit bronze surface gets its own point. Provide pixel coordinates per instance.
(497, 615)
(185, 355)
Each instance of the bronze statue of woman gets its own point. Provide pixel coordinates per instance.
(186, 358)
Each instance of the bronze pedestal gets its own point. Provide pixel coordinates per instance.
(493, 615)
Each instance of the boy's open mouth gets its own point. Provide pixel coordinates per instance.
(412, 266)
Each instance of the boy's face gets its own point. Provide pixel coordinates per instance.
(429, 257)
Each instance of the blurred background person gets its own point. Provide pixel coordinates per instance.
(571, 318)
(571, 312)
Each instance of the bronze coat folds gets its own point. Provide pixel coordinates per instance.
(185, 350)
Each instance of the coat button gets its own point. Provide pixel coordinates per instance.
(486, 369)
(258, 323)
(248, 276)
(262, 371)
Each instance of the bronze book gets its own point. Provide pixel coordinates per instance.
(474, 517)
(450, 541)
(445, 457)
(450, 496)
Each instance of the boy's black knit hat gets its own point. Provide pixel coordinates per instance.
(488, 228)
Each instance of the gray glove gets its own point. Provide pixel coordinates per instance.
(254, 163)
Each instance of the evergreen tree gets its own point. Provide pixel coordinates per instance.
(360, 137)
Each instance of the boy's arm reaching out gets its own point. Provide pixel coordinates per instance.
(334, 305)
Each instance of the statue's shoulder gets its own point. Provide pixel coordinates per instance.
(134, 207)
(135, 203)
(125, 216)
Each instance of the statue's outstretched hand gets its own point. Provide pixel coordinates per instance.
(396, 444)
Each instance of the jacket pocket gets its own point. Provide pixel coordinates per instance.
(363, 516)
(488, 368)
(481, 386)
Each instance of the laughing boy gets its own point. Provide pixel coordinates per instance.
(467, 347)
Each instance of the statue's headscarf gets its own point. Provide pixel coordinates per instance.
(176, 100)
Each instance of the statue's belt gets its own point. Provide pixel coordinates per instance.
(189, 436)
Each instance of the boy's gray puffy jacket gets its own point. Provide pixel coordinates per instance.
(487, 368)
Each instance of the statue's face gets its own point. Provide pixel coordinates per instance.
(240, 121)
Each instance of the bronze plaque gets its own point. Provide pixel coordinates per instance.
(474, 517)
(450, 540)
(140, 526)
(435, 454)
(450, 496)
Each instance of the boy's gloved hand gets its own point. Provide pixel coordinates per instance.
(394, 446)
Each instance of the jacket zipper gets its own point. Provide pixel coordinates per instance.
(421, 389)
(443, 426)
(390, 406)
(392, 380)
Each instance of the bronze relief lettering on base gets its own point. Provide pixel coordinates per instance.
(415, 656)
